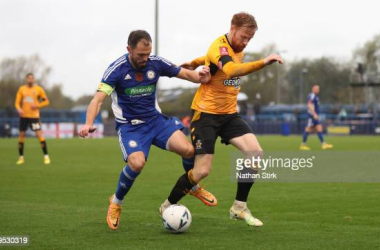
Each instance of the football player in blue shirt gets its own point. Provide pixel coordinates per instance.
(313, 120)
(131, 81)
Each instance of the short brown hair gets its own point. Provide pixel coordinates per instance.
(137, 36)
(244, 19)
(29, 74)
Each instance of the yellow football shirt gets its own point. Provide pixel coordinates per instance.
(27, 97)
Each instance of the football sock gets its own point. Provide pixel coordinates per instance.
(21, 148)
(304, 137)
(44, 147)
(188, 163)
(182, 187)
(320, 136)
(126, 180)
(244, 185)
(243, 189)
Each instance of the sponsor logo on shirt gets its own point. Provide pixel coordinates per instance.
(140, 91)
(234, 82)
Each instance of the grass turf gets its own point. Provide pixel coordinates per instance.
(64, 205)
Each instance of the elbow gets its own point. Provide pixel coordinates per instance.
(100, 104)
(229, 71)
(96, 102)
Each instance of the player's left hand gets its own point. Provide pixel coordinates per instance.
(273, 58)
(205, 75)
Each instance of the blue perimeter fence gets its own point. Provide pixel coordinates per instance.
(272, 120)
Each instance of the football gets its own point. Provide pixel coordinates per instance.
(176, 218)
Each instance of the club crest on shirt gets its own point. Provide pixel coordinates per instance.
(150, 74)
(224, 51)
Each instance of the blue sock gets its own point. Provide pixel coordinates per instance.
(304, 137)
(188, 163)
(126, 180)
(320, 136)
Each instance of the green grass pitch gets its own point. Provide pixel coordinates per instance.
(64, 205)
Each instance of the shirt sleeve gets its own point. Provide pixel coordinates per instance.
(198, 62)
(42, 94)
(167, 68)
(110, 78)
(18, 99)
(219, 54)
(310, 98)
(44, 100)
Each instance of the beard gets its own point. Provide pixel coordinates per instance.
(139, 64)
(238, 49)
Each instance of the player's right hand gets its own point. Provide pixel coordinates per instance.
(34, 106)
(85, 130)
(316, 117)
(273, 58)
(20, 112)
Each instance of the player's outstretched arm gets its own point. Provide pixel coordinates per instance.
(194, 63)
(203, 76)
(232, 69)
(92, 112)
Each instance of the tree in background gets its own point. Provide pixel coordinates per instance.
(367, 62)
(369, 57)
(12, 76)
(333, 78)
(264, 81)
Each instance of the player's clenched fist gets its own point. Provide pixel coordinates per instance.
(85, 130)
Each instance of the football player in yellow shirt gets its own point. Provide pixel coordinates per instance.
(215, 113)
(29, 99)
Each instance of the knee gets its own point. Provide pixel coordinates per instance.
(260, 152)
(188, 152)
(136, 162)
(255, 151)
